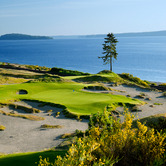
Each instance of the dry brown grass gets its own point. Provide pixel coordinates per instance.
(11, 80)
(51, 126)
(30, 117)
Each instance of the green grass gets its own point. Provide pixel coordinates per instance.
(66, 94)
(112, 77)
(28, 159)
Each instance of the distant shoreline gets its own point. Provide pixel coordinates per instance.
(14, 36)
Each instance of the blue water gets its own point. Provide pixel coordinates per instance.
(144, 57)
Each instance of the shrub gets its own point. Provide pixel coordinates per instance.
(49, 111)
(110, 142)
(148, 98)
(163, 84)
(164, 94)
(153, 84)
(158, 103)
(57, 114)
(2, 127)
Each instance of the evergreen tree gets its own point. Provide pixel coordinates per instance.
(109, 48)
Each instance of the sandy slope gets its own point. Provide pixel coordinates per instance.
(22, 135)
(149, 108)
(146, 110)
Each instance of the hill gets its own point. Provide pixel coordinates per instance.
(101, 36)
(15, 36)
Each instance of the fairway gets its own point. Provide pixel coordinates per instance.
(69, 95)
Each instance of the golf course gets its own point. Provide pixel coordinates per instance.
(43, 110)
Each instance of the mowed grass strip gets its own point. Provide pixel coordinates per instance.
(28, 159)
(67, 94)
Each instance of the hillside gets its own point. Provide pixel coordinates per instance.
(15, 36)
(101, 36)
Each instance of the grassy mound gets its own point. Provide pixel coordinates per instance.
(106, 78)
(64, 72)
(136, 80)
(157, 122)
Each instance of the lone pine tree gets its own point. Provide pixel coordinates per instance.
(109, 48)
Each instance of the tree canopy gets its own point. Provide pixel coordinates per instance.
(109, 48)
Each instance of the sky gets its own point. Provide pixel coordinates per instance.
(81, 17)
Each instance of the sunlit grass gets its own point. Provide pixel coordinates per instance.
(68, 94)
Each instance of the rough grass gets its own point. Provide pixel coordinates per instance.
(135, 80)
(24, 108)
(69, 95)
(28, 159)
(106, 78)
(11, 80)
(29, 117)
(51, 126)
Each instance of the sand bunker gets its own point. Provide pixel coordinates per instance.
(23, 135)
(22, 92)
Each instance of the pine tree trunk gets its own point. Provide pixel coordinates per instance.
(111, 64)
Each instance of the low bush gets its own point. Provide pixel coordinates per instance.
(2, 127)
(49, 111)
(158, 103)
(57, 114)
(51, 126)
(110, 142)
(36, 67)
(163, 84)
(164, 94)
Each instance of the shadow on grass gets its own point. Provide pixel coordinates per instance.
(29, 159)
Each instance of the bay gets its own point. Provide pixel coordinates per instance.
(144, 57)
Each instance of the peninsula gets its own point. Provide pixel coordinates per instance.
(15, 36)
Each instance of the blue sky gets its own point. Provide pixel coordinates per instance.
(81, 17)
